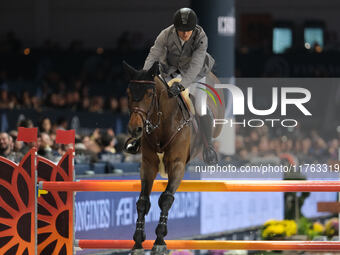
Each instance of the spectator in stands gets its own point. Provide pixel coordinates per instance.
(333, 149)
(73, 100)
(124, 105)
(26, 102)
(264, 146)
(286, 144)
(85, 104)
(62, 123)
(318, 145)
(44, 145)
(12, 101)
(243, 156)
(5, 145)
(113, 105)
(239, 142)
(108, 153)
(52, 100)
(97, 104)
(275, 147)
(253, 137)
(61, 150)
(36, 103)
(17, 145)
(107, 142)
(27, 123)
(45, 125)
(91, 144)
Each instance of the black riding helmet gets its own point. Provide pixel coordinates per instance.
(185, 19)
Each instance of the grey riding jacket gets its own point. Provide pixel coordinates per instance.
(190, 60)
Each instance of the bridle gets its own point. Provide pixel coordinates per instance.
(146, 114)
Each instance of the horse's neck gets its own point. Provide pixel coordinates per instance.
(168, 106)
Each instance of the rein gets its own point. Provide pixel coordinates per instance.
(145, 115)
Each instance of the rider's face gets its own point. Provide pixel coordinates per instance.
(184, 35)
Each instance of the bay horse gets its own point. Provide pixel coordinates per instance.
(167, 138)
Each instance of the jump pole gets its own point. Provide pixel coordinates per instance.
(197, 186)
(214, 245)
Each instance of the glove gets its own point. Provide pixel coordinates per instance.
(175, 89)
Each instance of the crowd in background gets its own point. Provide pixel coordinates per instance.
(254, 146)
(78, 80)
(76, 98)
(70, 78)
(99, 146)
(263, 144)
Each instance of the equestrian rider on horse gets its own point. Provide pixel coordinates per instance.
(181, 50)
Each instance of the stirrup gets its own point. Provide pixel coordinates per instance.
(132, 145)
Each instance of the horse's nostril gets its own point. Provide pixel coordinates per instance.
(139, 130)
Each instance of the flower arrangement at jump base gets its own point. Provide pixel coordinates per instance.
(278, 229)
(332, 227)
(310, 229)
(285, 229)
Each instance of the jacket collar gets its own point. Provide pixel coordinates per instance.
(176, 38)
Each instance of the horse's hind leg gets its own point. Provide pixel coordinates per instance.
(148, 174)
(175, 175)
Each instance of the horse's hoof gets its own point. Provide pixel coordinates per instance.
(210, 155)
(159, 250)
(137, 252)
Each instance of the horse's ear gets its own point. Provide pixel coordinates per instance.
(154, 70)
(129, 71)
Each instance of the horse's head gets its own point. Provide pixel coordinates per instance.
(142, 95)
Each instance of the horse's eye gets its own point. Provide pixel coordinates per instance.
(150, 94)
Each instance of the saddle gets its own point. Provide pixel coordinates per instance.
(185, 96)
(185, 100)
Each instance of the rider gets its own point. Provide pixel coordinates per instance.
(181, 50)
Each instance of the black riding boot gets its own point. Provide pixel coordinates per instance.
(132, 145)
(209, 154)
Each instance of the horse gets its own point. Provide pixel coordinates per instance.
(166, 137)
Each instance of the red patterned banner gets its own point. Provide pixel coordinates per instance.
(27, 135)
(65, 136)
(17, 205)
(55, 209)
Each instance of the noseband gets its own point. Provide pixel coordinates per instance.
(145, 114)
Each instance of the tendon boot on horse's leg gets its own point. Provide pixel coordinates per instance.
(143, 207)
(165, 202)
(132, 145)
(209, 153)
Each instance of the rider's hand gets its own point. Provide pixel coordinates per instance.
(175, 89)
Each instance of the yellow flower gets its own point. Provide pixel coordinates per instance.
(318, 227)
(273, 230)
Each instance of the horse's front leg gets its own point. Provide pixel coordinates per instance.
(175, 175)
(148, 173)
